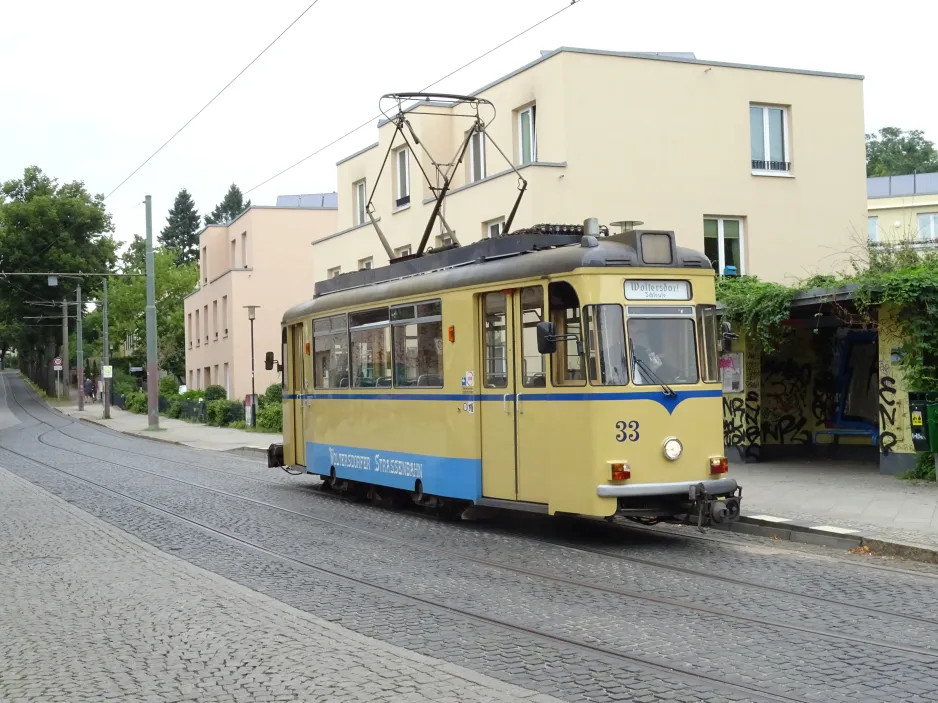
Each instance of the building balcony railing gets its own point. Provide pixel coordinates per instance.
(760, 165)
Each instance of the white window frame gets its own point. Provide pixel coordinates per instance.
(402, 251)
(360, 194)
(532, 110)
(366, 264)
(931, 232)
(766, 141)
(333, 272)
(721, 251)
(872, 229)
(472, 157)
(403, 185)
(500, 223)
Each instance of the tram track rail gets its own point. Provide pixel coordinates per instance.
(519, 570)
(529, 572)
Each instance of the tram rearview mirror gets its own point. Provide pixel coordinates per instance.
(546, 338)
(269, 361)
(726, 337)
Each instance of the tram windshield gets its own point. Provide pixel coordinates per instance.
(667, 347)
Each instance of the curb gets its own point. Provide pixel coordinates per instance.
(797, 531)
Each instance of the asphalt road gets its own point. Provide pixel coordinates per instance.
(574, 609)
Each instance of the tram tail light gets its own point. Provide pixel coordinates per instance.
(621, 471)
(718, 465)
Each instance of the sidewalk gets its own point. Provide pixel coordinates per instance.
(849, 502)
(221, 439)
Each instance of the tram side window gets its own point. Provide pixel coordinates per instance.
(417, 336)
(370, 334)
(605, 339)
(287, 367)
(707, 342)
(567, 365)
(533, 365)
(330, 352)
(495, 340)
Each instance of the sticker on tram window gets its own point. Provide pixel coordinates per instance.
(627, 431)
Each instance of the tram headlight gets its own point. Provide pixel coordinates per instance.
(673, 448)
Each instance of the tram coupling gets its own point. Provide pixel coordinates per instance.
(715, 502)
(275, 456)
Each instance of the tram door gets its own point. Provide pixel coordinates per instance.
(497, 388)
(299, 389)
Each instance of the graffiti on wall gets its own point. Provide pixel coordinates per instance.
(887, 409)
(786, 384)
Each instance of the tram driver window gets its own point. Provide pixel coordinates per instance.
(567, 364)
(370, 334)
(663, 350)
(417, 334)
(330, 352)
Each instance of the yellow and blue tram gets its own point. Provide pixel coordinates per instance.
(553, 370)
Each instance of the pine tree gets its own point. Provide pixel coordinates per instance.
(229, 208)
(181, 230)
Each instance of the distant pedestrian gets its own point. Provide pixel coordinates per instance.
(87, 388)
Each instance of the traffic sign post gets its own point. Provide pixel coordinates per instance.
(57, 367)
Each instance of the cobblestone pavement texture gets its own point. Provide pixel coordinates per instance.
(820, 625)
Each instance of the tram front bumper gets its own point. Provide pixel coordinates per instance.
(712, 501)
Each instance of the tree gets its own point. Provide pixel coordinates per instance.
(47, 226)
(182, 227)
(229, 208)
(894, 152)
(127, 304)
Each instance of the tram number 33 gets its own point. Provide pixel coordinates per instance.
(627, 431)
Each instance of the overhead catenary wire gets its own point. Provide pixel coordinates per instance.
(213, 99)
(370, 120)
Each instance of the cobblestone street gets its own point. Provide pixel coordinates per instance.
(136, 570)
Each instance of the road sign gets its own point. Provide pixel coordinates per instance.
(57, 363)
(107, 371)
(136, 369)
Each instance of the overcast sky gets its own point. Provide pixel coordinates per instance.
(90, 89)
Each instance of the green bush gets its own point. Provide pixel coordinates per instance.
(137, 402)
(270, 418)
(237, 425)
(215, 392)
(220, 413)
(175, 408)
(193, 395)
(274, 393)
(169, 386)
(924, 468)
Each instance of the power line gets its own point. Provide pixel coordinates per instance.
(217, 95)
(439, 80)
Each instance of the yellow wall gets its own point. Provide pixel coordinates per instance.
(897, 218)
(660, 141)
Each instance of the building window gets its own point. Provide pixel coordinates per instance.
(417, 332)
(191, 379)
(476, 157)
(198, 379)
(204, 264)
(205, 321)
(402, 251)
(928, 226)
(872, 229)
(365, 264)
(244, 249)
(443, 240)
(228, 382)
(402, 162)
(231, 255)
(198, 330)
(224, 314)
(333, 272)
(768, 134)
(215, 319)
(495, 228)
(723, 245)
(360, 202)
(189, 330)
(527, 135)
(370, 336)
(330, 353)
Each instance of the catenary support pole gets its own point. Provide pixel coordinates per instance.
(66, 378)
(153, 398)
(253, 392)
(79, 351)
(106, 354)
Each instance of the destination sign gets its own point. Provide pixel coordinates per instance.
(657, 290)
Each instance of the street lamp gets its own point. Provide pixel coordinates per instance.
(251, 316)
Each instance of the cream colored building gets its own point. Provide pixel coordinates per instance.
(903, 208)
(761, 168)
(261, 258)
